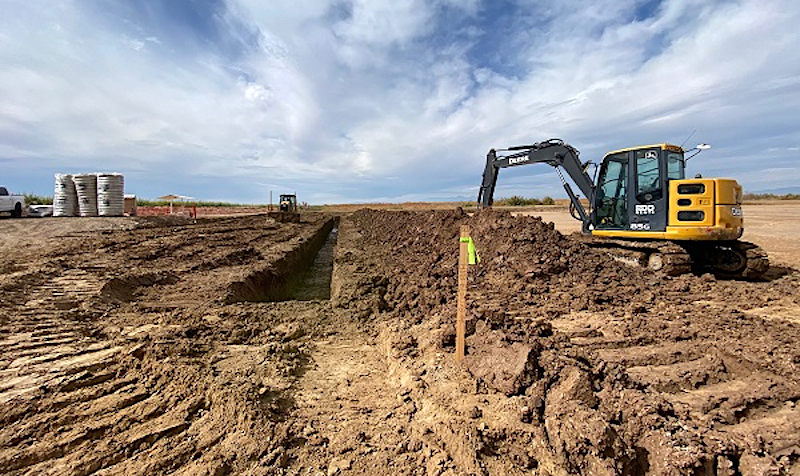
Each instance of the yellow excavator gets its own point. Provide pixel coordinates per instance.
(644, 210)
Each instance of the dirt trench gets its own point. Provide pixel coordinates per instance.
(299, 274)
(119, 353)
(123, 352)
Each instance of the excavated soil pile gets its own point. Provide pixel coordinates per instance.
(521, 256)
(579, 364)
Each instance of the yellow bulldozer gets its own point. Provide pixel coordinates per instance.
(287, 209)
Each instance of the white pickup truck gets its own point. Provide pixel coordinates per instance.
(13, 204)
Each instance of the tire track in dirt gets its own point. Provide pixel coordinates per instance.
(347, 409)
(93, 380)
(44, 349)
(713, 386)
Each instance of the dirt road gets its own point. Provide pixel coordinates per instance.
(163, 346)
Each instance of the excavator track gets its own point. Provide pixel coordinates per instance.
(730, 259)
(663, 256)
(757, 260)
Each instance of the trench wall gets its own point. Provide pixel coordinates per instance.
(276, 281)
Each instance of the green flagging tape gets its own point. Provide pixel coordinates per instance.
(473, 255)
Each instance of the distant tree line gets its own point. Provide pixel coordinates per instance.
(771, 196)
(34, 199)
(513, 201)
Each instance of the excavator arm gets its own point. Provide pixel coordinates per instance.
(553, 152)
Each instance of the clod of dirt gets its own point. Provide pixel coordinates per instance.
(506, 367)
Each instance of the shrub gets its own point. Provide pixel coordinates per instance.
(33, 199)
(517, 201)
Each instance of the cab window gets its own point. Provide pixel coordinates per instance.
(648, 177)
(675, 170)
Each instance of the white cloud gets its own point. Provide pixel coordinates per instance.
(359, 99)
(136, 45)
(385, 22)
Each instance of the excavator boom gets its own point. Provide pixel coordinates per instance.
(554, 152)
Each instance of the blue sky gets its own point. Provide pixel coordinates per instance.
(388, 100)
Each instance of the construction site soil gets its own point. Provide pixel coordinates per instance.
(240, 345)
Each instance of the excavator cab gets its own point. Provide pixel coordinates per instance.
(643, 205)
(642, 192)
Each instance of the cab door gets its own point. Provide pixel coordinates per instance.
(611, 202)
(648, 200)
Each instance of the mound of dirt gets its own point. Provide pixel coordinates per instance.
(547, 315)
(521, 257)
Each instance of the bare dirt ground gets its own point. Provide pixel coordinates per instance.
(163, 346)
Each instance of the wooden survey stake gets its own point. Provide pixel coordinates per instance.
(461, 317)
